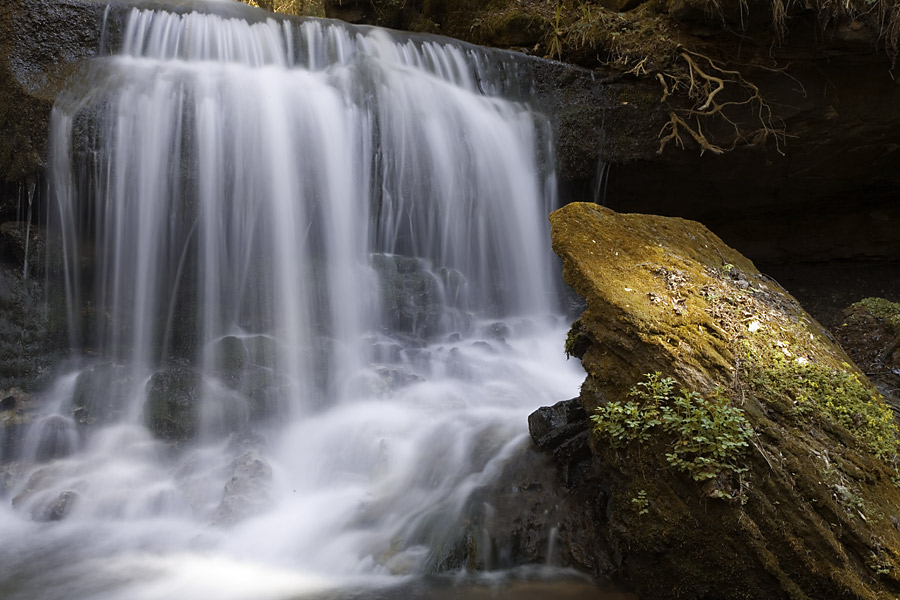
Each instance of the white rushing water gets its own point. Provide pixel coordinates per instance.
(308, 270)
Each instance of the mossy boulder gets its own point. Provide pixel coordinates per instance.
(808, 507)
(870, 332)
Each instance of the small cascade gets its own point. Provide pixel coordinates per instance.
(309, 283)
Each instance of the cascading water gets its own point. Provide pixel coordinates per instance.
(307, 269)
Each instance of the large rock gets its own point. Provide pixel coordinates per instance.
(806, 508)
(171, 411)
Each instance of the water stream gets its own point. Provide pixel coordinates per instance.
(312, 301)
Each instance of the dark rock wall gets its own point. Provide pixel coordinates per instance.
(821, 190)
(42, 47)
(826, 192)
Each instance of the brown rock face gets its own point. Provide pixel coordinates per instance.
(806, 508)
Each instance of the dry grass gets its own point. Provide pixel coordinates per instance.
(301, 8)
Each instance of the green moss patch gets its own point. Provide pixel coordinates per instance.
(815, 390)
(881, 308)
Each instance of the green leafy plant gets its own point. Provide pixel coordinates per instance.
(577, 340)
(707, 435)
(624, 422)
(879, 563)
(641, 503)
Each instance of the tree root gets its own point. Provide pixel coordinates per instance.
(676, 124)
(709, 86)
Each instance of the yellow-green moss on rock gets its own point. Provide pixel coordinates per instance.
(884, 309)
(813, 514)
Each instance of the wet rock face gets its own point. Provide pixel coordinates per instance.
(809, 510)
(171, 409)
(824, 191)
(32, 328)
(101, 394)
(413, 294)
(42, 45)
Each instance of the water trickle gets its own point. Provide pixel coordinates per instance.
(31, 186)
(308, 269)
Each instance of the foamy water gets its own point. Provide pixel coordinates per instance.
(334, 245)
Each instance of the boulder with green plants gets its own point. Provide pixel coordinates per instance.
(870, 333)
(738, 450)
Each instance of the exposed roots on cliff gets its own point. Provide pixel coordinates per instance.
(676, 125)
(718, 95)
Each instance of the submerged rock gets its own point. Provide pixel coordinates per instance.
(230, 358)
(768, 475)
(55, 437)
(57, 509)
(418, 299)
(101, 393)
(171, 409)
(247, 492)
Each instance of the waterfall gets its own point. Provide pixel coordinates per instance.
(310, 290)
